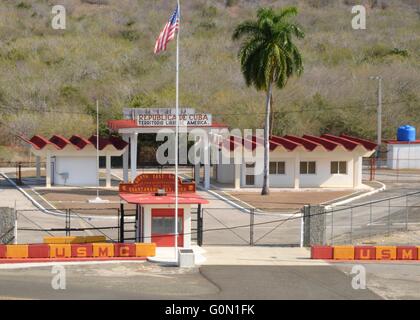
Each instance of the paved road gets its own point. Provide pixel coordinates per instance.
(392, 280)
(145, 281)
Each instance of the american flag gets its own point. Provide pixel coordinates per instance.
(168, 33)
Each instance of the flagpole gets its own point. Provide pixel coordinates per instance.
(177, 134)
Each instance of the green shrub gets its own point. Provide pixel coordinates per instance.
(231, 3)
(23, 5)
(130, 35)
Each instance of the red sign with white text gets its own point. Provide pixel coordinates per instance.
(152, 182)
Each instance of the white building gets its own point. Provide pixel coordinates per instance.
(403, 154)
(73, 162)
(138, 121)
(308, 162)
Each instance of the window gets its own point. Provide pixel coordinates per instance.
(250, 180)
(308, 167)
(277, 167)
(338, 167)
(166, 225)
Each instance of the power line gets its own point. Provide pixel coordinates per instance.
(363, 106)
(9, 108)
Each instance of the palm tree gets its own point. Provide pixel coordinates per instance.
(269, 58)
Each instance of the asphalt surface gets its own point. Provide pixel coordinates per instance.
(146, 281)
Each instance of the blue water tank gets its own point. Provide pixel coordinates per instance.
(406, 133)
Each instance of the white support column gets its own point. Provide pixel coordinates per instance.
(38, 166)
(125, 159)
(48, 170)
(297, 171)
(356, 172)
(108, 171)
(187, 227)
(133, 146)
(237, 169)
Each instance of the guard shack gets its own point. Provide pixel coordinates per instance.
(154, 198)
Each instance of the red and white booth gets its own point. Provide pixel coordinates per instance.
(154, 198)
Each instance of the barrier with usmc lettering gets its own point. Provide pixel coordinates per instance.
(77, 250)
(365, 252)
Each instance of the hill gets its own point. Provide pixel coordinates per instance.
(50, 79)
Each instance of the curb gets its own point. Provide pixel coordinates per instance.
(367, 194)
(65, 262)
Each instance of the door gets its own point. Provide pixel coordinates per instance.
(250, 174)
(163, 227)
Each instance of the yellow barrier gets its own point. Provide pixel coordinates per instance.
(344, 253)
(76, 250)
(60, 250)
(64, 240)
(103, 249)
(145, 249)
(95, 239)
(17, 251)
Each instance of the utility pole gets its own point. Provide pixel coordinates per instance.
(379, 113)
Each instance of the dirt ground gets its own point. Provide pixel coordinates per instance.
(288, 199)
(78, 199)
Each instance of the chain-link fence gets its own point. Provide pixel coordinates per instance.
(231, 226)
(33, 225)
(391, 169)
(395, 220)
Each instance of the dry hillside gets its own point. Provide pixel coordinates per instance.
(49, 79)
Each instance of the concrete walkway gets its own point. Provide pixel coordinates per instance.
(253, 256)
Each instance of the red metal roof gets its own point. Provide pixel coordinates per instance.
(59, 142)
(116, 125)
(148, 198)
(327, 142)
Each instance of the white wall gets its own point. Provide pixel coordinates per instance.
(81, 171)
(226, 173)
(322, 179)
(403, 156)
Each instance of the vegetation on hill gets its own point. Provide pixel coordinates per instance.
(50, 79)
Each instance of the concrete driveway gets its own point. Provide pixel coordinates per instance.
(147, 281)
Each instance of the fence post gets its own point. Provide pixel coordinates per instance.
(20, 173)
(407, 210)
(370, 222)
(199, 226)
(302, 226)
(332, 225)
(68, 233)
(15, 236)
(351, 225)
(389, 217)
(118, 225)
(251, 227)
(122, 223)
